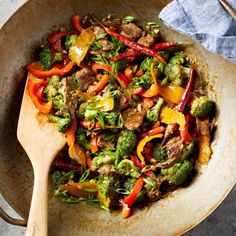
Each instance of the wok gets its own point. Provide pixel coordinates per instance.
(173, 215)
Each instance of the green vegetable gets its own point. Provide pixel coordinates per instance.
(47, 58)
(175, 70)
(59, 177)
(189, 151)
(102, 158)
(129, 19)
(178, 173)
(143, 81)
(62, 122)
(153, 114)
(82, 139)
(150, 184)
(70, 41)
(129, 184)
(55, 92)
(159, 153)
(201, 107)
(125, 144)
(146, 64)
(117, 47)
(111, 118)
(128, 168)
(108, 186)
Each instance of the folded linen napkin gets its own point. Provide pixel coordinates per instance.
(206, 21)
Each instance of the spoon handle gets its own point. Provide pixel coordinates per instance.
(38, 216)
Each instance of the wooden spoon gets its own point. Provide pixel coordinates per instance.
(42, 142)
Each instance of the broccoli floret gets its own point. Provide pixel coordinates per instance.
(175, 70)
(62, 122)
(143, 81)
(190, 150)
(47, 58)
(70, 41)
(111, 117)
(159, 153)
(125, 144)
(108, 186)
(102, 158)
(81, 138)
(128, 168)
(178, 173)
(153, 113)
(54, 92)
(201, 107)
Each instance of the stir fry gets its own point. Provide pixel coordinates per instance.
(132, 109)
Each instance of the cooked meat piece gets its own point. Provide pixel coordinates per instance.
(105, 44)
(114, 23)
(123, 101)
(155, 193)
(131, 31)
(98, 31)
(147, 40)
(104, 144)
(88, 22)
(133, 117)
(174, 148)
(85, 77)
(107, 170)
(169, 132)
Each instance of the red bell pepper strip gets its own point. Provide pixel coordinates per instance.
(126, 211)
(76, 23)
(138, 91)
(138, 47)
(36, 69)
(147, 152)
(100, 85)
(90, 125)
(141, 166)
(94, 144)
(55, 40)
(185, 97)
(33, 87)
(124, 82)
(132, 197)
(157, 130)
(70, 132)
(139, 73)
(185, 134)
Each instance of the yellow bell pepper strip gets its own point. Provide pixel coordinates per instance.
(79, 50)
(105, 201)
(172, 93)
(170, 116)
(100, 85)
(35, 85)
(77, 153)
(84, 95)
(36, 68)
(187, 92)
(142, 144)
(76, 23)
(155, 87)
(84, 189)
(204, 149)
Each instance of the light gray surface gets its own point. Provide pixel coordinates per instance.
(221, 222)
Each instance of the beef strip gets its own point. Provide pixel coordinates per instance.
(133, 117)
(114, 23)
(155, 193)
(147, 40)
(169, 132)
(107, 170)
(131, 31)
(174, 148)
(85, 77)
(98, 31)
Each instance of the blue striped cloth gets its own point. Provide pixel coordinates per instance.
(206, 21)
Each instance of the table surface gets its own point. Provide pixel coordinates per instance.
(221, 222)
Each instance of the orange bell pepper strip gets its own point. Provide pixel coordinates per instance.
(172, 93)
(77, 153)
(138, 91)
(133, 196)
(34, 87)
(129, 73)
(70, 133)
(148, 103)
(123, 81)
(142, 144)
(204, 149)
(36, 68)
(89, 163)
(94, 144)
(126, 211)
(76, 23)
(100, 85)
(157, 130)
